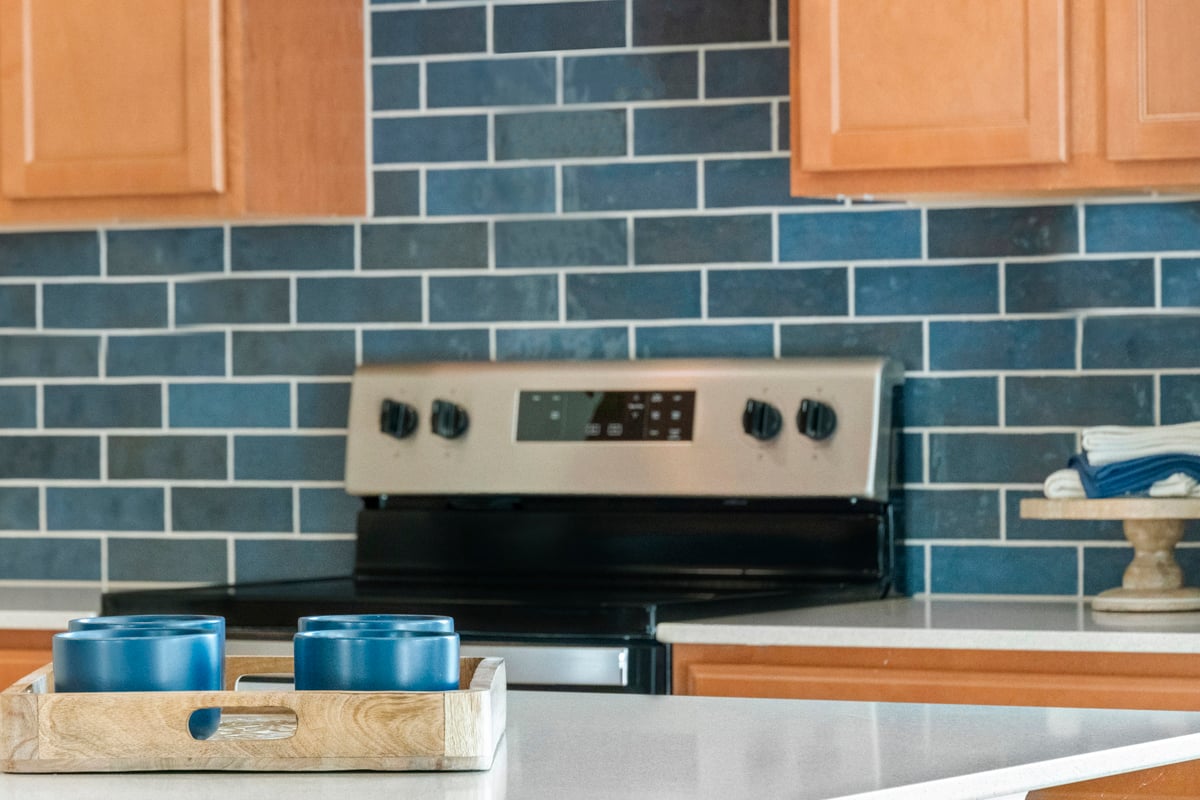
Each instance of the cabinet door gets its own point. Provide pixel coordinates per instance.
(1152, 56)
(938, 83)
(110, 97)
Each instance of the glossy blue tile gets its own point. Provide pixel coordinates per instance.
(1181, 282)
(950, 289)
(103, 406)
(231, 508)
(910, 570)
(104, 509)
(1180, 399)
(782, 25)
(165, 251)
(562, 243)
(1103, 567)
(629, 187)
(850, 236)
(1144, 342)
(45, 254)
(1003, 231)
(558, 26)
(45, 559)
(950, 401)
(777, 292)
(702, 239)
(997, 457)
(911, 458)
(951, 514)
(757, 72)
(702, 129)
(18, 508)
(1153, 227)
(1080, 401)
(560, 134)
(493, 298)
(292, 247)
(292, 559)
(1019, 527)
(491, 82)
(1063, 285)
(104, 305)
(1004, 570)
(395, 86)
(293, 352)
(425, 345)
(636, 76)
(783, 130)
(665, 22)
(397, 193)
(289, 458)
(328, 511)
(427, 31)
(729, 183)
(642, 295)
(229, 405)
(168, 458)
(232, 300)
(542, 344)
(407, 140)
(438, 245)
(49, 457)
(49, 356)
(358, 300)
(168, 354)
(18, 406)
(18, 306)
(705, 341)
(167, 560)
(322, 405)
(902, 341)
(1003, 344)
(514, 190)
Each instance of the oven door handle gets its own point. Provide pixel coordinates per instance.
(557, 665)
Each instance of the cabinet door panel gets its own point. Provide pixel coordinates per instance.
(110, 97)
(942, 83)
(1153, 78)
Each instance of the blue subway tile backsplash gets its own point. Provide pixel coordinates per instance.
(593, 179)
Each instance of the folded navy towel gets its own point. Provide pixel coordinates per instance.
(1134, 476)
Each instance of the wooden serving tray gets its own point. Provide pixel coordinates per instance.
(41, 731)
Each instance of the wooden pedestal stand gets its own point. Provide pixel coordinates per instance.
(1153, 581)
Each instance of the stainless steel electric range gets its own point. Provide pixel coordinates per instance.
(560, 510)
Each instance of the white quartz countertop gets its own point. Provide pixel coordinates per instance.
(45, 607)
(1069, 625)
(613, 746)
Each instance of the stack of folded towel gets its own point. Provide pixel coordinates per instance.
(1118, 461)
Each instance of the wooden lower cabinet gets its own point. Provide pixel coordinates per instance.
(21, 652)
(979, 677)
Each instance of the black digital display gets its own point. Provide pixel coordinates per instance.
(656, 415)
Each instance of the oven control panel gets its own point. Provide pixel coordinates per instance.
(729, 428)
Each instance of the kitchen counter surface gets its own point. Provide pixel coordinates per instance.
(608, 746)
(1069, 625)
(44, 607)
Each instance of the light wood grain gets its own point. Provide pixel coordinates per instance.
(138, 731)
(1112, 508)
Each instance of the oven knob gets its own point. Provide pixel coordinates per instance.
(449, 419)
(815, 419)
(397, 419)
(761, 420)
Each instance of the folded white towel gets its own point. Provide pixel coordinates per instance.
(1064, 484)
(1107, 444)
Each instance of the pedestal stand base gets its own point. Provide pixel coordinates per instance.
(1183, 599)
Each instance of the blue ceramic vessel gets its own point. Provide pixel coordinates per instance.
(372, 660)
(397, 622)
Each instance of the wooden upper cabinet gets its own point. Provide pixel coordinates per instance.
(994, 96)
(892, 85)
(153, 109)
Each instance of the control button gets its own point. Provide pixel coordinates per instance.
(397, 419)
(676, 414)
(449, 419)
(653, 433)
(591, 429)
(815, 419)
(656, 397)
(674, 434)
(656, 415)
(615, 429)
(761, 420)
